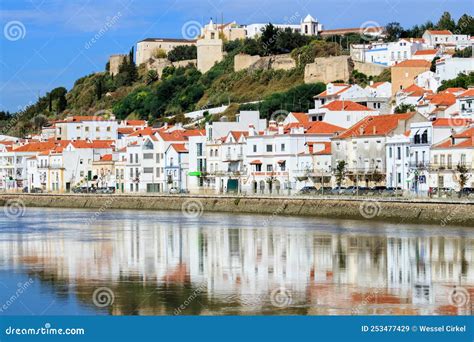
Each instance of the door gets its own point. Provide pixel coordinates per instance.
(232, 185)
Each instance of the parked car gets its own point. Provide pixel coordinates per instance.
(338, 190)
(391, 191)
(466, 192)
(324, 190)
(355, 191)
(84, 190)
(308, 190)
(174, 191)
(378, 190)
(109, 190)
(36, 191)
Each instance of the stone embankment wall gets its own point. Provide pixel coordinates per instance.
(329, 69)
(370, 69)
(397, 211)
(278, 62)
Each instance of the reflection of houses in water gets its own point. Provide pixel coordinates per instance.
(327, 269)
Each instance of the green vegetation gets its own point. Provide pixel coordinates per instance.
(296, 99)
(404, 108)
(182, 53)
(466, 53)
(462, 81)
(465, 25)
(317, 48)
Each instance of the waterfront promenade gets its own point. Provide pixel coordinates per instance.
(441, 212)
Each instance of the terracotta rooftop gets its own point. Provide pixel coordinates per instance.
(375, 125)
(320, 127)
(440, 32)
(413, 63)
(426, 52)
(339, 105)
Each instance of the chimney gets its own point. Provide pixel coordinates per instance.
(280, 128)
(453, 140)
(374, 130)
(252, 131)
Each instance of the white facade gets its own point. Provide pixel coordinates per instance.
(397, 149)
(449, 68)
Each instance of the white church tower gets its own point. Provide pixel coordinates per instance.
(209, 48)
(310, 26)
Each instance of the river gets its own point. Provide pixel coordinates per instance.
(117, 262)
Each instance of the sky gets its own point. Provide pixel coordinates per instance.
(50, 43)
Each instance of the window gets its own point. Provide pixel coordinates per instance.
(442, 160)
(283, 147)
(463, 160)
(390, 152)
(254, 148)
(136, 158)
(108, 128)
(435, 159)
(407, 152)
(399, 153)
(131, 158)
(399, 178)
(131, 173)
(97, 129)
(157, 157)
(158, 172)
(211, 153)
(269, 148)
(258, 167)
(147, 170)
(87, 129)
(450, 161)
(269, 168)
(148, 156)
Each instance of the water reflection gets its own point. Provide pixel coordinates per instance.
(164, 264)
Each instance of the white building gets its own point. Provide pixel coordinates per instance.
(397, 149)
(449, 68)
(456, 150)
(342, 113)
(445, 38)
(82, 128)
(308, 26)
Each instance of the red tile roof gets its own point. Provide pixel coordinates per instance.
(468, 93)
(321, 127)
(440, 32)
(442, 99)
(238, 134)
(339, 105)
(106, 157)
(415, 90)
(180, 148)
(301, 117)
(41, 146)
(173, 136)
(413, 63)
(326, 94)
(376, 84)
(93, 143)
(464, 139)
(125, 130)
(325, 151)
(135, 122)
(426, 52)
(142, 132)
(375, 125)
(451, 122)
(255, 162)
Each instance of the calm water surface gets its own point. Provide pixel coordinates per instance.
(163, 263)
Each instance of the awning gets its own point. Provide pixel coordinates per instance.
(281, 161)
(255, 162)
(195, 173)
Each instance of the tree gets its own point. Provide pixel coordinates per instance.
(465, 25)
(446, 22)
(182, 53)
(433, 64)
(340, 172)
(462, 81)
(464, 53)
(39, 121)
(463, 176)
(151, 76)
(159, 53)
(98, 89)
(404, 108)
(269, 38)
(394, 31)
